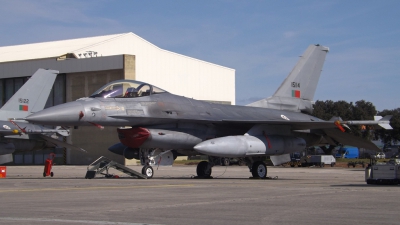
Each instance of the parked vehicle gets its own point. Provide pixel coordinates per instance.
(383, 173)
(347, 153)
(318, 160)
(295, 159)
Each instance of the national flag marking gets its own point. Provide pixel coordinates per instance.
(296, 93)
(23, 107)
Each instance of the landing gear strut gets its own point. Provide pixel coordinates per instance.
(154, 157)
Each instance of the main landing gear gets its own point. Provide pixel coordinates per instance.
(204, 169)
(259, 170)
(256, 166)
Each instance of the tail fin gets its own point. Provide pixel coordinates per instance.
(383, 122)
(33, 95)
(297, 91)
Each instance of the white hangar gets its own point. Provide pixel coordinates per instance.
(86, 64)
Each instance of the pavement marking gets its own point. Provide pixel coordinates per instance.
(71, 221)
(94, 188)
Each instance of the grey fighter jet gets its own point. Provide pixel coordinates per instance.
(17, 135)
(154, 120)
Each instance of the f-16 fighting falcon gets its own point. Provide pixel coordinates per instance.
(157, 125)
(17, 135)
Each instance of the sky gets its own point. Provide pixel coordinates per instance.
(261, 40)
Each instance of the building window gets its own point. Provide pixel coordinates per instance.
(1, 92)
(8, 89)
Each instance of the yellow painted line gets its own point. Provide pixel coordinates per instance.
(93, 188)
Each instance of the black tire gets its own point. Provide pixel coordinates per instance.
(51, 174)
(44, 174)
(202, 169)
(259, 170)
(225, 161)
(148, 171)
(322, 165)
(332, 164)
(241, 162)
(291, 165)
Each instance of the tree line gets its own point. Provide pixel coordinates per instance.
(360, 110)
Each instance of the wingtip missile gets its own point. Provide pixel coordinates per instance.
(378, 122)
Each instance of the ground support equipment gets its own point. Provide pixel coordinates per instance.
(103, 164)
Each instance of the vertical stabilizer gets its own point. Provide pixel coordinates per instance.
(297, 91)
(32, 96)
(302, 81)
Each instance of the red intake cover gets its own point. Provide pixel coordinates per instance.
(133, 137)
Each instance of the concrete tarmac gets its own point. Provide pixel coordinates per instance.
(298, 196)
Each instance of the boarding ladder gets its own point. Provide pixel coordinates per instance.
(104, 164)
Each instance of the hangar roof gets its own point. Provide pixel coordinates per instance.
(56, 48)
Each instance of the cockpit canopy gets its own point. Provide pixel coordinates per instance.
(126, 89)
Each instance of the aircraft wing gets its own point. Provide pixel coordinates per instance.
(296, 125)
(349, 139)
(160, 120)
(60, 143)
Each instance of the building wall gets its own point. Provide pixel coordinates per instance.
(176, 73)
(29, 67)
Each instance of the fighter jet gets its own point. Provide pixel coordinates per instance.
(157, 125)
(17, 135)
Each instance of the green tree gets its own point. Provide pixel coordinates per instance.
(361, 110)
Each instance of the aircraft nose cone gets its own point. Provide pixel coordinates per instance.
(68, 114)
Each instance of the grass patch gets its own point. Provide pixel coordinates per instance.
(363, 160)
(187, 162)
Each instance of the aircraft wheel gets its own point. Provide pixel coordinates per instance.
(259, 170)
(225, 161)
(148, 171)
(202, 169)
